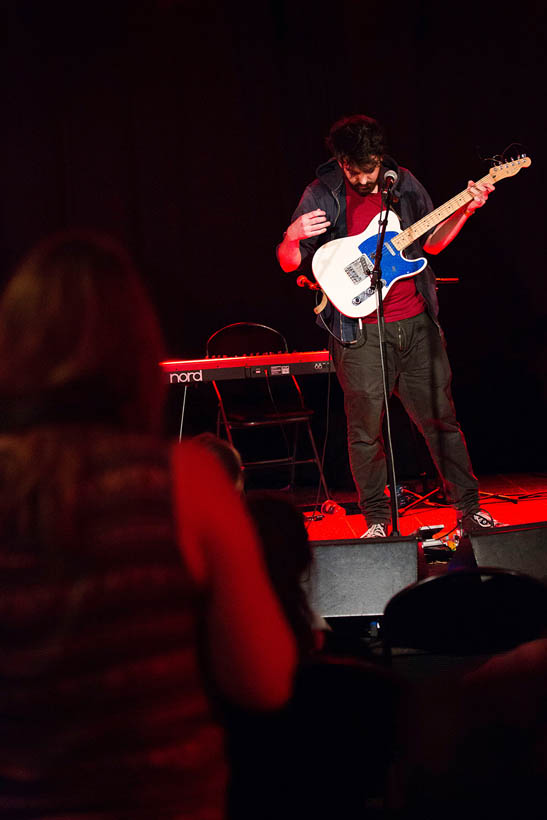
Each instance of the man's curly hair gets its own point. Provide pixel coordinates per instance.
(356, 139)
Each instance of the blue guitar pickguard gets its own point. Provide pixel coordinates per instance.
(394, 265)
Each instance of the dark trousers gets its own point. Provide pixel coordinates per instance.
(419, 373)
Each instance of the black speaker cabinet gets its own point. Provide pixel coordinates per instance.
(354, 577)
(523, 549)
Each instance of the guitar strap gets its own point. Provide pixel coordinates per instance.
(322, 304)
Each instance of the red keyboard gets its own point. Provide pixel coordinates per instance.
(189, 371)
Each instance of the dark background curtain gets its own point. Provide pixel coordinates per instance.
(189, 130)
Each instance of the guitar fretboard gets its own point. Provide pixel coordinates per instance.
(406, 237)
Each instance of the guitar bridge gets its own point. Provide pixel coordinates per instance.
(359, 269)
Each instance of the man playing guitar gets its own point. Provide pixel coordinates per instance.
(341, 202)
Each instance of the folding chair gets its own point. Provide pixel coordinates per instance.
(264, 402)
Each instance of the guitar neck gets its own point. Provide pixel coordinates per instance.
(406, 237)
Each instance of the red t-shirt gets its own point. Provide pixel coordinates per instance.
(403, 300)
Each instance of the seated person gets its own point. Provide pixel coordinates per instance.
(228, 456)
(341, 716)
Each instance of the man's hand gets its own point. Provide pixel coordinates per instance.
(311, 224)
(479, 192)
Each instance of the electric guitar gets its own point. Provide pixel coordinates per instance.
(342, 267)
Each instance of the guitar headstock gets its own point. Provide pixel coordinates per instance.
(509, 169)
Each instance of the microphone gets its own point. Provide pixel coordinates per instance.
(304, 282)
(390, 178)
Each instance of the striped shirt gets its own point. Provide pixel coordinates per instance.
(103, 709)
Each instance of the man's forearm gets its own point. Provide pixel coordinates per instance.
(304, 227)
(288, 254)
(450, 228)
(446, 231)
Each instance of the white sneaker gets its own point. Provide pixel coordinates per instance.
(376, 531)
(478, 521)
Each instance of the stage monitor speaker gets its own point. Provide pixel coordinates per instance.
(523, 549)
(356, 577)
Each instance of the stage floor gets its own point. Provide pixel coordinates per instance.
(524, 501)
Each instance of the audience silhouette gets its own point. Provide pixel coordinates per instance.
(128, 566)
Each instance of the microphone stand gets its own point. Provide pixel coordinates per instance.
(377, 283)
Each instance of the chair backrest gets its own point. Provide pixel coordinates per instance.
(245, 337)
(467, 612)
(242, 338)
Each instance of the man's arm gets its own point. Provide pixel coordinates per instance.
(310, 224)
(448, 230)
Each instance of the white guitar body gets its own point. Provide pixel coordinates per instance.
(342, 267)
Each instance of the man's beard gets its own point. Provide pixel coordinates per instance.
(363, 190)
